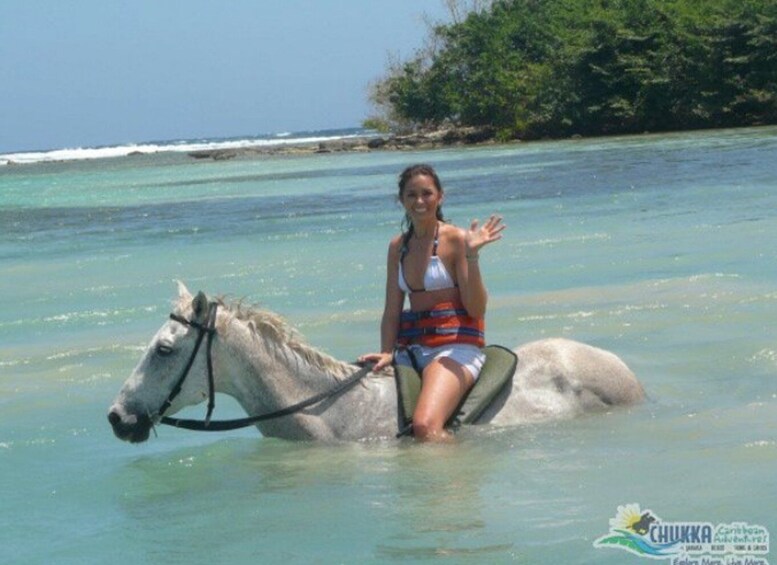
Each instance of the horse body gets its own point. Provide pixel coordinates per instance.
(260, 361)
(560, 378)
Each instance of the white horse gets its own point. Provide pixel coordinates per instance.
(255, 357)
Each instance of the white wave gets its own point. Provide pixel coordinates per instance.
(76, 153)
(80, 153)
(760, 443)
(551, 242)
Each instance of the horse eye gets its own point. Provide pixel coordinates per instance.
(163, 349)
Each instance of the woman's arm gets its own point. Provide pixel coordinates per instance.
(395, 298)
(471, 287)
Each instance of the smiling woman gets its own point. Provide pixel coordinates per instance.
(442, 333)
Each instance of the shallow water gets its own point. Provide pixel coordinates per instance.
(659, 248)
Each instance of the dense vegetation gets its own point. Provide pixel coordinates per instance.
(550, 68)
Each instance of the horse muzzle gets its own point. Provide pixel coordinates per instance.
(134, 428)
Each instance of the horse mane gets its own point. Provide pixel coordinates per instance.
(269, 325)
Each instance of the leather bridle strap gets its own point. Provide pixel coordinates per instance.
(208, 329)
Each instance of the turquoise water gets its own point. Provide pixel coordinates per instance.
(659, 248)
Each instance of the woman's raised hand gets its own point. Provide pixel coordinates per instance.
(476, 237)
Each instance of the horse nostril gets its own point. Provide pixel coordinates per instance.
(114, 418)
(129, 427)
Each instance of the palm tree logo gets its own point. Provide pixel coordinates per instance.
(629, 530)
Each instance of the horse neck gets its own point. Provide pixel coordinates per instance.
(264, 373)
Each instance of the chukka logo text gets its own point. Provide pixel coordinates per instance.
(643, 533)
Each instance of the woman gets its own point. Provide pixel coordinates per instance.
(436, 264)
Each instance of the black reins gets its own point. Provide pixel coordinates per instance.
(208, 425)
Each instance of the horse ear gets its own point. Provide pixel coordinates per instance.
(183, 292)
(200, 307)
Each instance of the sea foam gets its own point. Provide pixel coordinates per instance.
(180, 146)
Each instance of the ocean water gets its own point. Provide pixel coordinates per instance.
(660, 248)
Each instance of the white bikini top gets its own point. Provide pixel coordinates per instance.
(436, 276)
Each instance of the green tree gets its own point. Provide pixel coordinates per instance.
(535, 68)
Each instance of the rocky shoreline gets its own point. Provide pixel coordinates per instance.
(448, 137)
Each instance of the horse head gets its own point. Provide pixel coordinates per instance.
(172, 372)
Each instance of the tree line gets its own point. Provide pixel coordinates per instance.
(551, 68)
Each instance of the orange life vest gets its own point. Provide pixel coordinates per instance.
(446, 323)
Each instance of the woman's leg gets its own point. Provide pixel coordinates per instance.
(444, 384)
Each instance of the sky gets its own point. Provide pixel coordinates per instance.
(87, 73)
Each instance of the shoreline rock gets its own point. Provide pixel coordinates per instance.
(436, 139)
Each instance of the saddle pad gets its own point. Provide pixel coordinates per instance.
(497, 371)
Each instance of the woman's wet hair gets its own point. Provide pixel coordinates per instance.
(420, 169)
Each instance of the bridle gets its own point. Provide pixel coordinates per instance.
(208, 330)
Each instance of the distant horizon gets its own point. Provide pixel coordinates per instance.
(93, 75)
